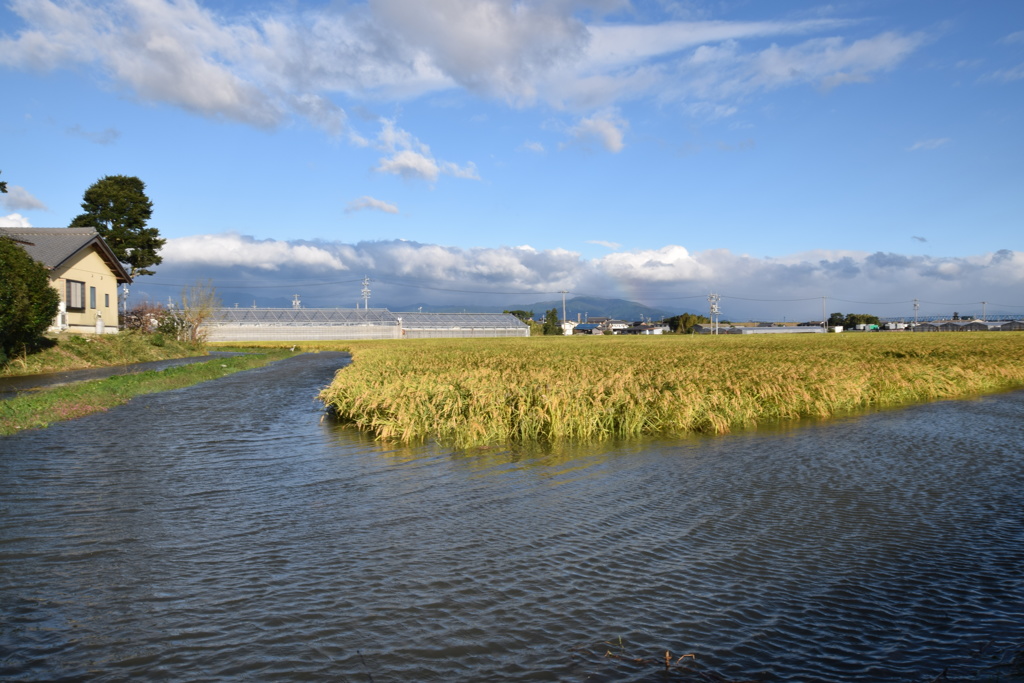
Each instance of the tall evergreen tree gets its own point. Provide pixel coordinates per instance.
(551, 325)
(117, 206)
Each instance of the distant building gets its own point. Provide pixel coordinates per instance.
(615, 326)
(314, 324)
(646, 328)
(776, 330)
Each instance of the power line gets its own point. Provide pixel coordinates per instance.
(229, 285)
(740, 298)
(323, 283)
(873, 303)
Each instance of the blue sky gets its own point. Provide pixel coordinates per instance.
(865, 151)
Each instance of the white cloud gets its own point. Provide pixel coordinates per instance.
(607, 128)
(1014, 73)
(14, 220)
(668, 264)
(828, 62)
(410, 164)
(103, 137)
(631, 44)
(467, 172)
(370, 203)
(672, 277)
(532, 146)
(19, 198)
(263, 68)
(602, 243)
(933, 143)
(411, 158)
(228, 250)
(492, 47)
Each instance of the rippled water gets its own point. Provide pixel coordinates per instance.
(223, 531)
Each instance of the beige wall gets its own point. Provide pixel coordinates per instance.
(91, 270)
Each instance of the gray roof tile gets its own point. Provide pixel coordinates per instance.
(53, 246)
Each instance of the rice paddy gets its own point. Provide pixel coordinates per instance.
(483, 392)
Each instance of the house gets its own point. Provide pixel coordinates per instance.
(82, 269)
(646, 328)
(616, 326)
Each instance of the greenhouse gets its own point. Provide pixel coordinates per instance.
(428, 325)
(324, 324)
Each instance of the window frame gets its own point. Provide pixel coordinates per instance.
(74, 292)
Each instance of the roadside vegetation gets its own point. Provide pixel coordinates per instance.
(478, 392)
(39, 409)
(77, 352)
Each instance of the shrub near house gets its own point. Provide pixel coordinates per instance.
(27, 302)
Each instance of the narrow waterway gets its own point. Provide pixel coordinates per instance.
(225, 531)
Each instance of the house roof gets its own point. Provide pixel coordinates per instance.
(53, 247)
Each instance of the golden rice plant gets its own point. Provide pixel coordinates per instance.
(472, 392)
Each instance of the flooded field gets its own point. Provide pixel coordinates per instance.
(227, 531)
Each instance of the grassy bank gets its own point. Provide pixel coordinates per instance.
(78, 352)
(548, 389)
(35, 410)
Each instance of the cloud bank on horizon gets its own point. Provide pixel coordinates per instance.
(329, 274)
(413, 140)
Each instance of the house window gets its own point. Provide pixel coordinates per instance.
(75, 299)
(106, 301)
(92, 297)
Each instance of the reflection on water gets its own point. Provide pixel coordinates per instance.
(226, 531)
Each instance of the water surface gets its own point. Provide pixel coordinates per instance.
(226, 531)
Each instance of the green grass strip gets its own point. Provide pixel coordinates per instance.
(40, 409)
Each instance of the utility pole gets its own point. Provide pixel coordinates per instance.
(563, 293)
(824, 320)
(917, 305)
(366, 292)
(713, 300)
(983, 303)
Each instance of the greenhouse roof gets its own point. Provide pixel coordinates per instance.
(427, 320)
(360, 316)
(303, 316)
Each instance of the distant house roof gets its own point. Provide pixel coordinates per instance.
(54, 247)
(776, 330)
